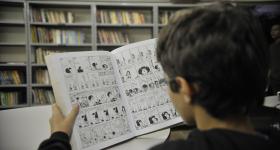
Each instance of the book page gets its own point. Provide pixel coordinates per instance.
(144, 87)
(87, 78)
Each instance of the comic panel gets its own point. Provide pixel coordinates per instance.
(96, 97)
(103, 132)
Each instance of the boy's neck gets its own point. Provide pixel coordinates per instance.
(204, 121)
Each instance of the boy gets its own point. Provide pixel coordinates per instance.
(216, 65)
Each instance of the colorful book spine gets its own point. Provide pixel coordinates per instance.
(42, 76)
(40, 54)
(112, 37)
(121, 17)
(11, 77)
(57, 36)
(43, 96)
(52, 16)
(9, 98)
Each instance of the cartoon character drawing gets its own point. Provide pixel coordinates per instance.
(94, 66)
(105, 66)
(165, 115)
(144, 70)
(96, 117)
(80, 70)
(128, 75)
(144, 87)
(153, 119)
(83, 121)
(111, 97)
(139, 123)
(106, 113)
(68, 70)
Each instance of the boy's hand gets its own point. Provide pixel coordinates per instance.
(60, 123)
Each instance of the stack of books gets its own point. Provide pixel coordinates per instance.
(112, 37)
(43, 96)
(52, 16)
(164, 16)
(11, 77)
(121, 17)
(57, 36)
(41, 53)
(42, 76)
(9, 98)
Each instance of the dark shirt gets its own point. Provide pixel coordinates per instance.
(215, 139)
(57, 141)
(275, 67)
(221, 139)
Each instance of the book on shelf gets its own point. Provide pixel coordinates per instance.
(112, 37)
(40, 54)
(43, 96)
(122, 94)
(165, 15)
(11, 77)
(42, 76)
(121, 17)
(9, 99)
(52, 16)
(57, 36)
(12, 63)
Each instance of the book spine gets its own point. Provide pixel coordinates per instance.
(43, 15)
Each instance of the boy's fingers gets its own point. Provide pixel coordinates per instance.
(56, 113)
(55, 109)
(71, 117)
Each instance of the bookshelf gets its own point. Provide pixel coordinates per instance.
(13, 55)
(165, 12)
(69, 28)
(118, 24)
(99, 26)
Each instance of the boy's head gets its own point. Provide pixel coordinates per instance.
(215, 57)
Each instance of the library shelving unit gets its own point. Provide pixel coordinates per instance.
(118, 24)
(166, 11)
(54, 27)
(13, 55)
(32, 29)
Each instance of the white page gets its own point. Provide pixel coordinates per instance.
(144, 87)
(88, 78)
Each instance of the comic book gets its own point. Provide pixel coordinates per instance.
(122, 94)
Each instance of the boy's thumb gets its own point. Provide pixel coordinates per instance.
(71, 117)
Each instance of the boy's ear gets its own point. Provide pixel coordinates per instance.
(183, 86)
(174, 86)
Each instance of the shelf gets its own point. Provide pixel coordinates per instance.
(61, 4)
(12, 65)
(15, 106)
(115, 45)
(41, 85)
(161, 25)
(125, 25)
(12, 44)
(13, 86)
(61, 24)
(12, 22)
(38, 65)
(51, 44)
(33, 104)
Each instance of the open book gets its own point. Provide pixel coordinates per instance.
(122, 94)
